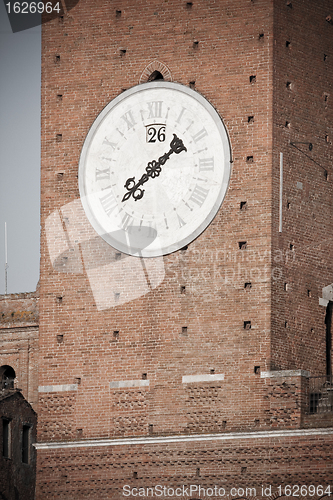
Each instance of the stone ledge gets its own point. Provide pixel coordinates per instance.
(285, 373)
(119, 384)
(178, 439)
(58, 388)
(189, 379)
(17, 326)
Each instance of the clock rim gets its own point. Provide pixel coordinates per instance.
(224, 185)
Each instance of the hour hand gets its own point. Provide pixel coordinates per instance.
(153, 170)
(135, 189)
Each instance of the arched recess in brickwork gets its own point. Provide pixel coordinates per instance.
(154, 69)
(7, 377)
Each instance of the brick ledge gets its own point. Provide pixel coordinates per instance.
(11, 326)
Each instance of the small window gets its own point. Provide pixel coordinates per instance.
(6, 441)
(7, 377)
(156, 75)
(26, 444)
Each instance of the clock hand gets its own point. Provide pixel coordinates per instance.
(153, 170)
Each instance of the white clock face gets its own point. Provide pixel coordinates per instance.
(154, 169)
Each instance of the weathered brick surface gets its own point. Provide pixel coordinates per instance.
(19, 309)
(19, 321)
(92, 71)
(303, 76)
(244, 463)
(56, 412)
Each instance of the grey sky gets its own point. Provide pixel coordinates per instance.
(19, 154)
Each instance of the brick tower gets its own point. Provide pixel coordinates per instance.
(216, 372)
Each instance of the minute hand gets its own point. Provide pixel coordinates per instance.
(153, 170)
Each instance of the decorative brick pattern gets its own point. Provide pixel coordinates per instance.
(56, 413)
(289, 460)
(132, 425)
(285, 407)
(135, 400)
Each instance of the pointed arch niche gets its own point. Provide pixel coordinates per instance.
(155, 71)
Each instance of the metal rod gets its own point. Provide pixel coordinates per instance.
(6, 259)
(281, 192)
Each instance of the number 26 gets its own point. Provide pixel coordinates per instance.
(154, 133)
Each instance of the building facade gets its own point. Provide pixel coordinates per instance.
(19, 321)
(18, 456)
(210, 366)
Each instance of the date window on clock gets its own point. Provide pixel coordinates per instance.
(155, 132)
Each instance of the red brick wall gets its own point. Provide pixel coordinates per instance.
(303, 80)
(19, 319)
(239, 66)
(102, 472)
(91, 71)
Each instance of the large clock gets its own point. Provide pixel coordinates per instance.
(154, 169)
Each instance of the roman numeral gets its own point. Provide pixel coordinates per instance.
(199, 135)
(129, 119)
(102, 174)
(180, 221)
(105, 158)
(126, 221)
(109, 143)
(199, 195)
(180, 116)
(152, 230)
(155, 109)
(149, 229)
(206, 164)
(190, 125)
(109, 203)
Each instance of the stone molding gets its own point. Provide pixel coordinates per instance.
(188, 379)
(178, 439)
(285, 373)
(120, 384)
(58, 388)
